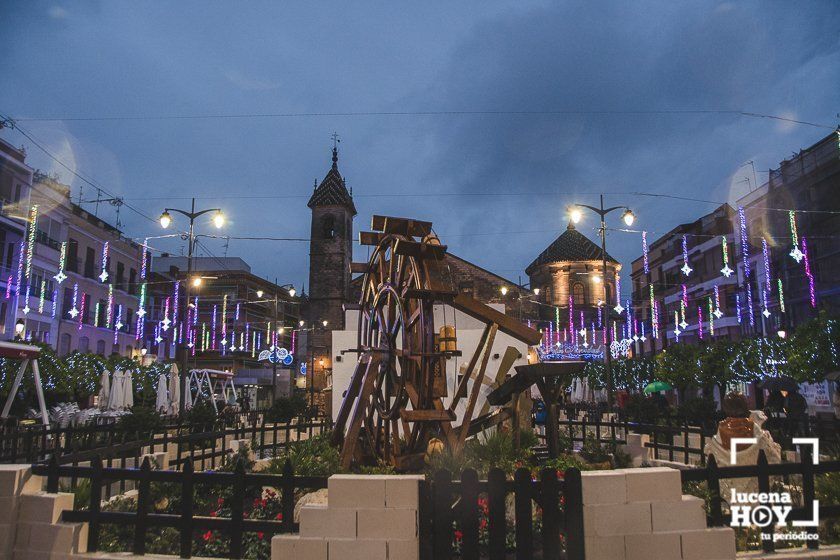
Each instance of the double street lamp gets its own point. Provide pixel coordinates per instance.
(576, 214)
(165, 221)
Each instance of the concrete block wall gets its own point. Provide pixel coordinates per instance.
(641, 514)
(367, 517)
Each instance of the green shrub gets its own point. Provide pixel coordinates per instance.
(567, 461)
(315, 456)
(285, 409)
(642, 409)
(593, 452)
(698, 411)
(142, 423)
(201, 416)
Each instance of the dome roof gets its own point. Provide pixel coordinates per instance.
(571, 245)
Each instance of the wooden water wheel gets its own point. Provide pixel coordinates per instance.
(394, 404)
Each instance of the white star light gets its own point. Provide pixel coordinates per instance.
(636, 337)
(165, 323)
(643, 338)
(726, 271)
(765, 313)
(618, 309)
(717, 313)
(118, 325)
(797, 254)
(190, 345)
(677, 332)
(73, 312)
(60, 277)
(683, 324)
(26, 309)
(582, 332)
(686, 269)
(103, 276)
(158, 339)
(141, 312)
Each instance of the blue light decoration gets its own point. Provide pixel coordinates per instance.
(811, 290)
(700, 321)
(105, 249)
(618, 309)
(685, 268)
(767, 286)
(745, 259)
(726, 271)
(236, 314)
(54, 302)
(176, 299)
(738, 307)
(74, 312)
(645, 253)
(566, 351)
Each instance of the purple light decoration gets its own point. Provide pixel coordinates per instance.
(750, 309)
(811, 290)
(157, 333)
(213, 328)
(83, 308)
(571, 313)
(645, 253)
(617, 289)
(195, 312)
(19, 269)
(176, 298)
(685, 295)
(765, 253)
(582, 324)
(259, 340)
(600, 317)
(745, 245)
(629, 319)
(593, 333)
(9, 288)
(144, 259)
(236, 313)
(700, 321)
(738, 307)
(54, 302)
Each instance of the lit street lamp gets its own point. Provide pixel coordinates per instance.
(165, 221)
(576, 214)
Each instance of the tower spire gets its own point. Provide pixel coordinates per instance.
(336, 140)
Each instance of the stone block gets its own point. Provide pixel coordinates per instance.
(56, 538)
(604, 548)
(685, 515)
(324, 522)
(609, 520)
(656, 484)
(294, 547)
(391, 523)
(348, 491)
(17, 479)
(635, 447)
(709, 544)
(404, 550)
(9, 509)
(7, 539)
(658, 546)
(603, 487)
(43, 507)
(403, 491)
(358, 549)
(33, 555)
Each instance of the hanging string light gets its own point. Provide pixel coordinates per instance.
(750, 308)
(224, 320)
(41, 296)
(795, 252)
(711, 318)
(677, 331)
(685, 268)
(21, 256)
(618, 309)
(204, 337)
(726, 271)
(745, 245)
(96, 311)
(62, 260)
(683, 307)
(294, 340)
(166, 321)
(717, 312)
(30, 243)
(54, 302)
(643, 337)
(105, 249)
(74, 311)
(700, 321)
(84, 308)
(253, 343)
(811, 290)
(781, 295)
(738, 307)
(236, 314)
(118, 323)
(109, 310)
(9, 285)
(213, 328)
(645, 253)
(176, 298)
(655, 323)
(765, 252)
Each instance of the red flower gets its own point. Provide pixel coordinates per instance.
(482, 524)
(213, 513)
(256, 502)
(458, 536)
(220, 501)
(279, 517)
(207, 536)
(263, 502)
(260, 535)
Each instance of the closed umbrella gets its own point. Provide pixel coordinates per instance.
(116, 396)
(128, 390)
(104, 389)
(162, 400)
(174, 389)
(188, 400)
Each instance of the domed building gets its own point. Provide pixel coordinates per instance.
(570, 272)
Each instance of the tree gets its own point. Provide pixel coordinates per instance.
(814, 349)
(679, 366)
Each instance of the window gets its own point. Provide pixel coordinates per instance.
(120, 276)
(64, 345)
(116, 349)
(72, 255)
(100, 313)
(466, 287)
(578, 295)
(328, 226)
(90, 262)
(84, 344)
(67, 303)
(132, 281)
(100, 347)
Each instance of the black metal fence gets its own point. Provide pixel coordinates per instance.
(468, 517)
(185, 521)
(718, 515)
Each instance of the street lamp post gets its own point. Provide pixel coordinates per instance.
(165, 220)
(575, 214)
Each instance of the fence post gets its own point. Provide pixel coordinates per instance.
(236, 509)
(287, 503)
(764, 486)
(442, 515)
(808, 484)
(522, 506)
(573, 493)
(550, 494)
(95, 503)
(496, 495)
(139, 547)
(186, 528)
(52, 474)
(424, 515)
(715, 517)
(468, 515)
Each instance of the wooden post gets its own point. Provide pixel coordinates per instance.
(186, 524)
(573, 492)
(442, 515)
(94, 505)
(468, 518)
(496, 503)
(522, 507)
(550, 495)
(139, 547)
(236, 509)
(767, 545)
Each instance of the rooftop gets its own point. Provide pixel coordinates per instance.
(332, 191)
(571, 245)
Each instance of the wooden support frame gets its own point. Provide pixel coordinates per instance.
(39, 389)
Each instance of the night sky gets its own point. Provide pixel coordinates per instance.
(487, 118)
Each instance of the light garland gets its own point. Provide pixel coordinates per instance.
(645, 253)
(683, 307)
(118, 324)
(811, 290)
(96, 310)
(677, 331)
(700, 321)
(176, 299)
(711, 318)
(765, 252)
(54, 303)
(62, 261)
(781, 295)
(717, 312)
(685, 268)
(726, 271)
(22, 249)
(224, 320)
(236, 313)
(9, 284)
(618, 309)
(738, 307)
(30, 245)
(105, 250)
(745, 246)
(74, 311)
(795, 252)
(166, 321)
(750, 310)
(42, 296)
(254, 344)
(109, 311)
(84, 308)
(655, 323)
(213, 327)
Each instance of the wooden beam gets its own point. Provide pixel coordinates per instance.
(427, 415)
(420, 250)
(477, 310)
(477, 382)
(370, 237)
(359, 267)
(401, 226)
(351, 439)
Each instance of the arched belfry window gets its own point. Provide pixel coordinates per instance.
(578, 295)
(328, 226)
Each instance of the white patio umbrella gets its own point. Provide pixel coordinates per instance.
(116, 396)
(104, 389)
(174, 389)
(162, 400)
(188, 400)
(128, 390)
